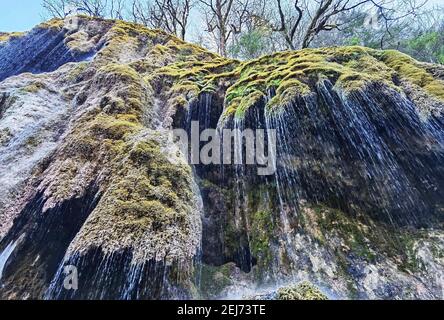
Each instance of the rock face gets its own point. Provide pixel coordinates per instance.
(91, 176)
(304, 291)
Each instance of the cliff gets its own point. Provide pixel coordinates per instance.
(91, 178)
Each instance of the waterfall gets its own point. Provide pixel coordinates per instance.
(4, 256)
(358, 152)
(329, 133)
(358, 186)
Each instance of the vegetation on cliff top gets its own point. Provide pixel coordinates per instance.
(5, 36)
(292, 74)
(275, 80)
(147, 203)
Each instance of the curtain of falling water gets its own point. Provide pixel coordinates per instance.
(4, 256)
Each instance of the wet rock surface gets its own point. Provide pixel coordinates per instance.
(91, 176)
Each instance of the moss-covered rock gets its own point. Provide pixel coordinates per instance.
(118, 87)
(6, 36)
(213, 280)
(302, 291)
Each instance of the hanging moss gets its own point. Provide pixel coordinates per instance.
(190, 70)
(213, 280)
(295, 73)
(261, 236)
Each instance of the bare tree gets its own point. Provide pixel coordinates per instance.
(232, 23)
(289, 24)
(319, 17)
(300, 21)
(56, 8)
(225, 18)
(94, 8)
(140, 12)
(390, 14)
(117, 8)
(169, 15)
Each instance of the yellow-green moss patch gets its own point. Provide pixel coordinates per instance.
(5, 36)
(302, 291)
(294, 73)
(122, 71)
(412, 71)
(54, 24)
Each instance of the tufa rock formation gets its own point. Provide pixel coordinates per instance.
(90, 177)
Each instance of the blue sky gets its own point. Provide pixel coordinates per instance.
(19, 15)
(22, 15)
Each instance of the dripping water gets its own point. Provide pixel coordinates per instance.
(5, 254)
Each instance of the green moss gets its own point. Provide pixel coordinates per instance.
(303, 291)
(365, 240)
(437, 251)
(409, 261)
(159, 49)
(129, 92)
(144, 151)
(112, 127)
(6, 36)
(185, 88)
(262, 228)
(147, 204)
(141, 204)
(295, 73)
(213, 280)
(75, 73)
(34, 87)
(288, 73)
(146, 193)
(54, 24)
(125, 36)
(287, 90)
(354, 233)
(190, 78)
(412, 71)
(134, 30)
(194, 69)
(122, 71)
(187, 51)
(240, 105)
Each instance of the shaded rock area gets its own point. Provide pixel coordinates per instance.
(51, 45)
(92, 177)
